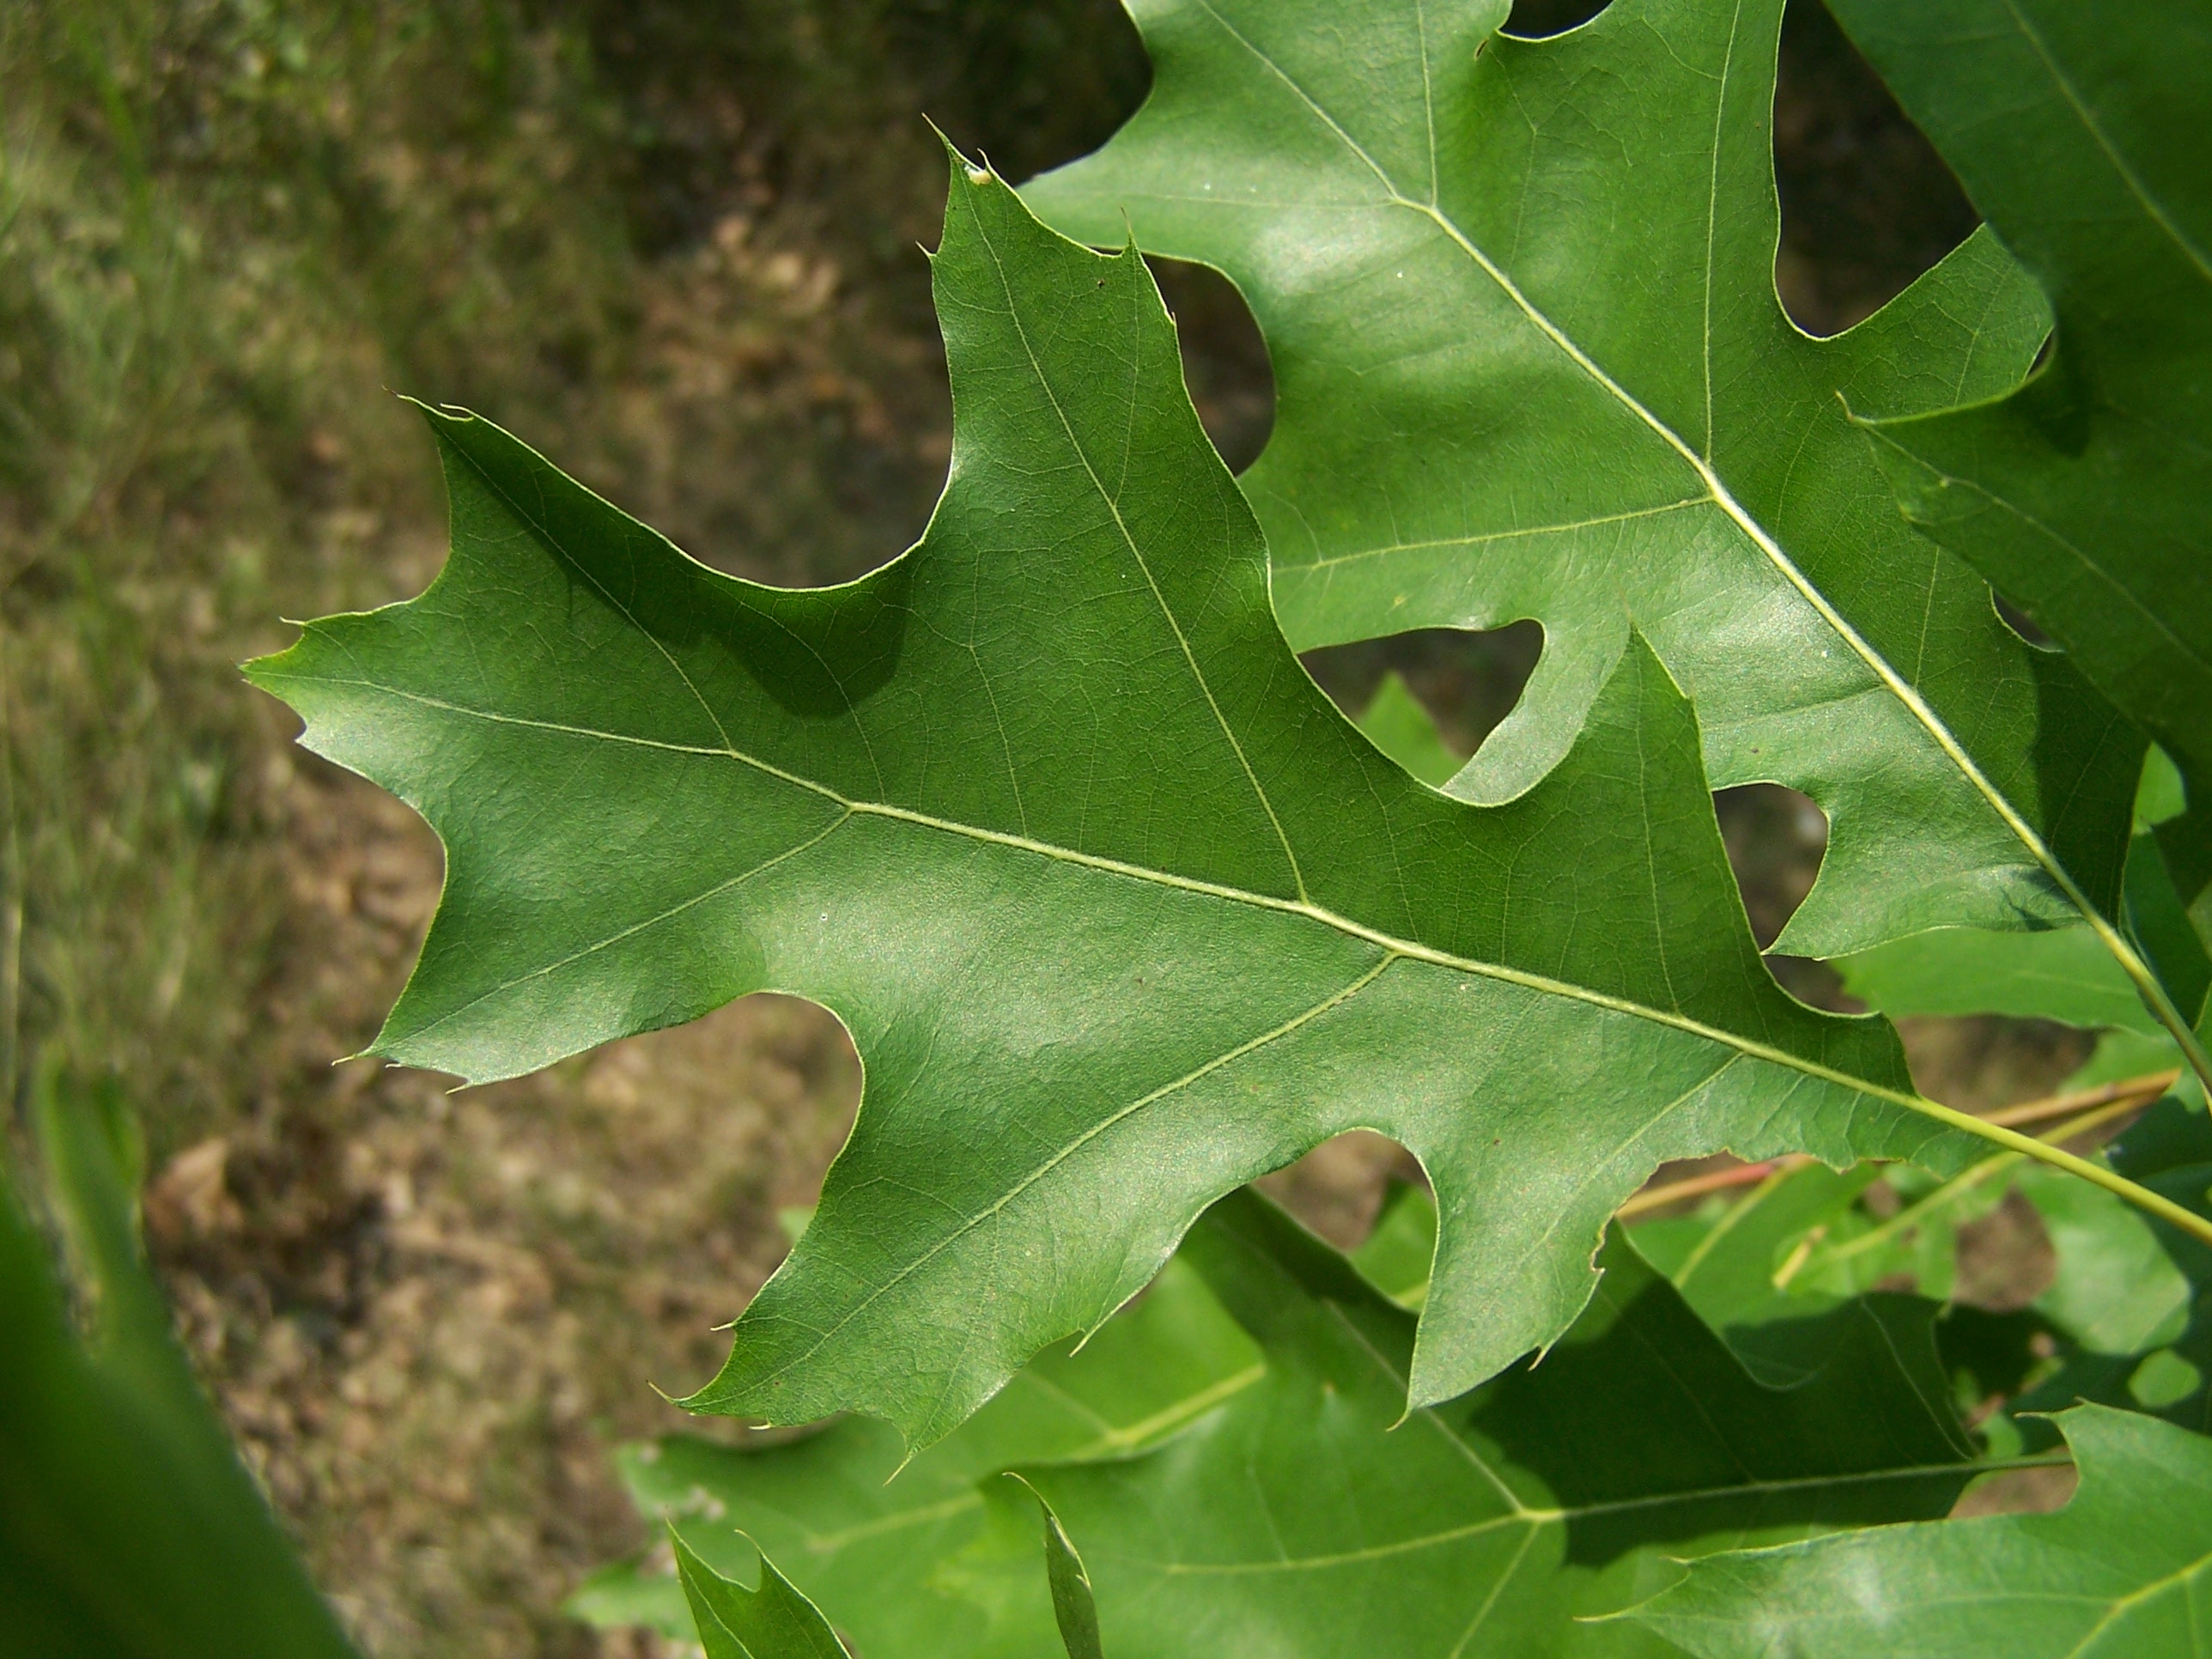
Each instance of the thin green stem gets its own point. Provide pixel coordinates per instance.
(2142, 1198)
(1914, 1213)
(1964, 1182)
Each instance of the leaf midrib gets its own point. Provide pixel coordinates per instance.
(1391, 944)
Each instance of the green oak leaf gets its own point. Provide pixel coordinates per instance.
(128, 1529)
(1519, 297)
(2120, 1573)
(1121, 912)
(2078, 131)
(772, 1621)
(1305, 1520)
(907, 1553)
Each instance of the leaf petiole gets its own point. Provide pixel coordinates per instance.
(1959, 1185)
(2142, 1198)
(2125, 1095)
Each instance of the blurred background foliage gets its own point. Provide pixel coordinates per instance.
(672, 243)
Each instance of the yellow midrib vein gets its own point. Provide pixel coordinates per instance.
(1391, 944)
(1394, 949)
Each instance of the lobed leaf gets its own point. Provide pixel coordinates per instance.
(769, 1621)
(1119, 910)
(1519, 297)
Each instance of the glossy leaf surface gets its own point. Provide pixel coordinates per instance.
(1519, 298)
(1120, 911)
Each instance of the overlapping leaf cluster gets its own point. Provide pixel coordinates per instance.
(1122, 913)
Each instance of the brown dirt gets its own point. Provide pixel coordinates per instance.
(430, 1315)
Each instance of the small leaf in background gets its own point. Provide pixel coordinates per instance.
(1120, 910)
(1397, 1255)
(2064, 974)
(1739, 1260)
(2125, 1299)
(2078, 133)
(2122, 1571)
(770, 1621)
(2117, 1291)
(1073, 1607)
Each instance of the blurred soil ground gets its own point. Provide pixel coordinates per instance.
(673, 244)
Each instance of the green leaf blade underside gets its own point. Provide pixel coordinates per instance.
(2078, 133)
(2122, 1571)
(1120, 911)
(1530, 363)
(1297, 1521)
